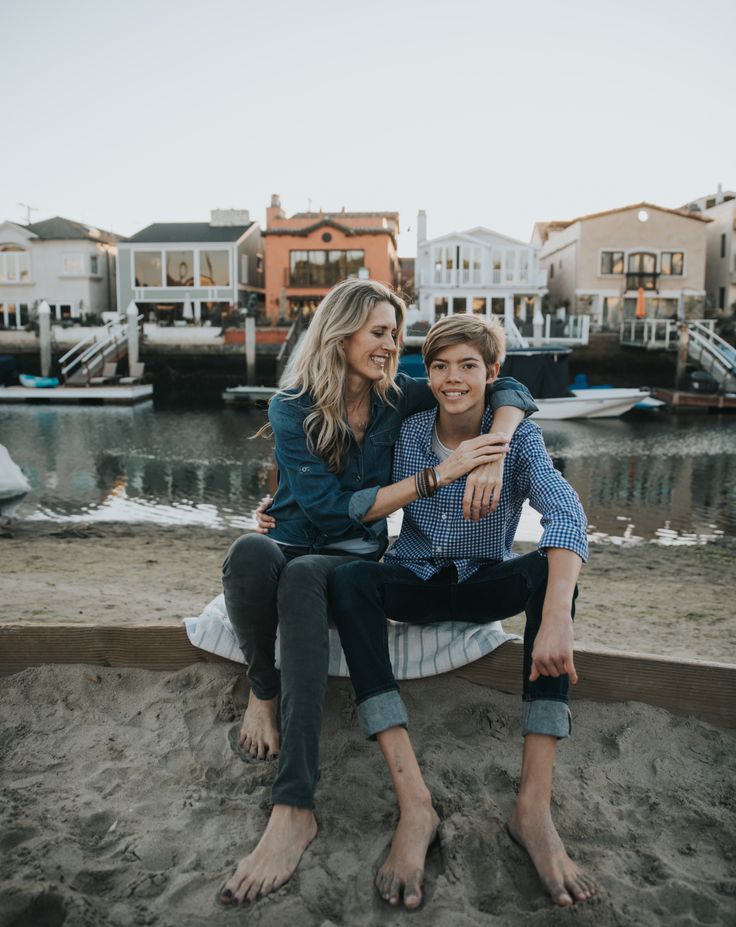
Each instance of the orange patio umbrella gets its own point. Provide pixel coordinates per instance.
(640, 310)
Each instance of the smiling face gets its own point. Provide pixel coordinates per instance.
(368, 350)
(458, 377)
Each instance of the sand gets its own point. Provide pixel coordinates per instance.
(123, 800)
(645, 598)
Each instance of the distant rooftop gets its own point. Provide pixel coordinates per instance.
(189, 231)
(62, 229)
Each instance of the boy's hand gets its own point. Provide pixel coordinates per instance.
(264, 521)
(553, 648)
(483, 490)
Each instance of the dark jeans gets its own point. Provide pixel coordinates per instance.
(267, 585)
(363, 595)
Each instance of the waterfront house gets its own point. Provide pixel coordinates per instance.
(308, 252)
(66, 263)
(181, 273)
(641, 261)
(720, 261)
(482, 272)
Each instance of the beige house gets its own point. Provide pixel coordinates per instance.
(720, 262)
(640, 261)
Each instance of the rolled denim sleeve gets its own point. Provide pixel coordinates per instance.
(317, 491)
(506, 391)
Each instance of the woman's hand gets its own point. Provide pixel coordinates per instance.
(472, 454)
(264, 521)
(483, 490)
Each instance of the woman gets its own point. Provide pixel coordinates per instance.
(334, 423)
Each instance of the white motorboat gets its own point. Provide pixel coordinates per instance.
(13, 485)
(590, 403)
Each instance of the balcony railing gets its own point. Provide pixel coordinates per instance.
(641, 281)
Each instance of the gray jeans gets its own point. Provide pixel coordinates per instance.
(267, 585)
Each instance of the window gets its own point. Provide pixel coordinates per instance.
(671, 263)
(470, 264)
(148, 268)
(496, 267)
(551, 271)
(479, 305)
(524, 267)
(179, 268)
(510, 266)
(15, 265)
(721, 297)
(641, 272)
(459, 304)
(440, 307)
(94, 264)
(723, 245)
(214, 268)
(323, 268)
(612, 262)
(73, 264)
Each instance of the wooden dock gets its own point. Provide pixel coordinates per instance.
(679, 399)
(94, 395)
(697, 688)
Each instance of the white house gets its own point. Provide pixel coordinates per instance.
(478, 271)
(720, 258)
(70, 265)
(180, 272)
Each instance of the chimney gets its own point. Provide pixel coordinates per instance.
(421, 226)
(229, 217)
(274, 211)
(719, 195)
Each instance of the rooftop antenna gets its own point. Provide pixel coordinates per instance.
(309, 204)
(29, 210)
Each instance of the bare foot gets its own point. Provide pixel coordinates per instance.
(259, 734)
(404, 866)
(288, 833)
(535, 831)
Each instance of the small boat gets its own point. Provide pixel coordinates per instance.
(13, 485)
(26, 379)
(590, 403)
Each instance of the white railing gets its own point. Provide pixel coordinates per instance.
(656, 333)
(576, 330)
(89, 354)
(713, 354)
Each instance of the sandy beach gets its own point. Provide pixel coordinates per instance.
(125, 801)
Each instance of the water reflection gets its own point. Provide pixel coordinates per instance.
(659, 479)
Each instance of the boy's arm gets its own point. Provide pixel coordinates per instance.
(553, 647)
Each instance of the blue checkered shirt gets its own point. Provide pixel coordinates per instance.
(435, 533)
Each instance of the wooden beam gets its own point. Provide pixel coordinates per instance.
(687, 687)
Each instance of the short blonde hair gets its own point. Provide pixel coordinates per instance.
(487, 336)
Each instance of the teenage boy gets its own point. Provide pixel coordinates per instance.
(446, 567)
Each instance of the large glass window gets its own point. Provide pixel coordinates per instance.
(440, 307)
(94, 264)
(148, 268)
(496, 267)
(214, 268)
(470, 264)
(73, 264)
(460, 304)
(524, 267)
(641, 271)
(612, 262)
(479, 305)
(324, 268)
(672, 263)
(510, 266)
(15, 265)
(179, 268)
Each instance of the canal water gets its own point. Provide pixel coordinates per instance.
(666, 479)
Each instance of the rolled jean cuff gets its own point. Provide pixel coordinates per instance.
(546, 716)
(380, 712)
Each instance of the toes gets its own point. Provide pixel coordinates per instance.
(413, 891)
(394, 890)
(562, 898)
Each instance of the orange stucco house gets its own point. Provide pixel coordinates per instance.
(309, 252)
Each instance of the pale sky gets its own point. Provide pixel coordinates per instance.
(481, 112)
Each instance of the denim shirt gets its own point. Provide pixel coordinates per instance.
(314, 507)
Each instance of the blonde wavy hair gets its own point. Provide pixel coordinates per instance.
(319, 367)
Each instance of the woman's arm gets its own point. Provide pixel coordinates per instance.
(467, 456)
(483, 486)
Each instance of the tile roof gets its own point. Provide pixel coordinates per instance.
(58, 228)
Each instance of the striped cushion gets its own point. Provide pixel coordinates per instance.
(415, 650)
